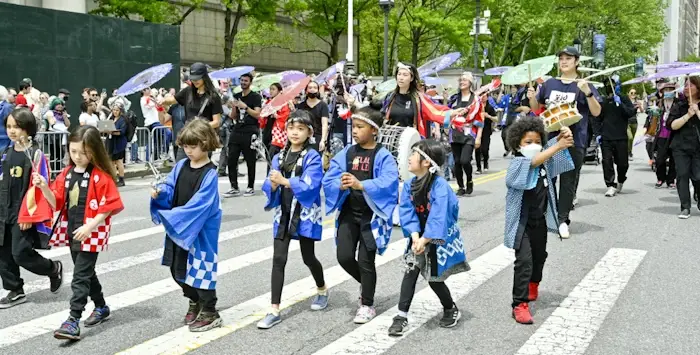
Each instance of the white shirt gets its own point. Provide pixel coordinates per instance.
(150, 113)
(88, 120)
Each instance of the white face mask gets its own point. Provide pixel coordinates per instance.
(530, 150)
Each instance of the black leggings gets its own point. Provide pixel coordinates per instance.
(206, 298)
(408, 289)
(482, 153)
(463, 162)
(363, 269)
(529, 260)
(279, 261)
(240, 142)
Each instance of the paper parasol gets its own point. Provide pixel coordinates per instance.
(283, 98)
(144, 79)
(608, 71)
(526, 72)
(438, 64)
(327, 74)
(496, 71)
(429, 80)
(230, 73)
(386, 86)
(553, 59)
(290, 76)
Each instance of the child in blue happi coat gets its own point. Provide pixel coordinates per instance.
(429, 210)
(362, 185)
(187, 204)
(293, 190)
(531, 204)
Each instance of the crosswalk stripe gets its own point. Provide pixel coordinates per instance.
(373, 337)
(114, 239)
(572, 326)
(42, 325)
(127, 262)
(243, 314)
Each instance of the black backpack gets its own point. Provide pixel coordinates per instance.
(131, 125)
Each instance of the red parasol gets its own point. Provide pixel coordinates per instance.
(288, 94)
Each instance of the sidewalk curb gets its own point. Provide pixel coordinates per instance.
(140, 173)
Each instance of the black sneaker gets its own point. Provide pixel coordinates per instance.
(249, 192)
(57, 278)
(232, 193)
(398, 327)
(450, 317)
(685, 214)
(69, 330)
(120, 182)
(223, 174)
(206, 321)
(461, 192)
(12, 299)
(470, 187)
(99, 315)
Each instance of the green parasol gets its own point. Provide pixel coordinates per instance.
(261, 83)
(526, 72)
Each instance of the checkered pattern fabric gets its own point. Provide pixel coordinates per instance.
(95, 244)
(201, 269)
(279, 137)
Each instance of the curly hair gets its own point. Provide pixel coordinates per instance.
(517, 131)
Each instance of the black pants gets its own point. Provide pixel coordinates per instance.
(529, 259)
(615, 154)
(665, 172)
(650, 150)
(279, 261)
(363, 269)
(463, 162)
(408, 289)
(206, 298)
(688, 168)
(482, 153)
(18, 251)
(240, 142)
(569, 184)
(273, 150)
(504, 138)
(85, 283)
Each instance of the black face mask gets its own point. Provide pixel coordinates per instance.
(312, 95)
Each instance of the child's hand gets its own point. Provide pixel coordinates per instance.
(24, 226)
(419, 245)
(82, 233)
(565, 138)
(276, 178)
(155, 193)
(38, 180)
(349, 181)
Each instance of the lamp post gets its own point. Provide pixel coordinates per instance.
(476, 34)
(349, 64)
(386, 5)
(578, 44)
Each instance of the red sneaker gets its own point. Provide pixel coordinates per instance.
(521, 313)
(533, 291)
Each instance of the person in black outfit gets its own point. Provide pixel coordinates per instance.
(247, 107)
(614, 116)
(684, 120)
(464, 140)
(318, 110)
(482, 153)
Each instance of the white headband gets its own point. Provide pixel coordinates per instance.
(434, 168)
(365, 119)
(403, 66)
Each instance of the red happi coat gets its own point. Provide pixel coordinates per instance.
(279, 129)
(102, 197)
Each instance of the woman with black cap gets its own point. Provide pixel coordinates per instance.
(200, 99)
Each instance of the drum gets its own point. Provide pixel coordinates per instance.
(560, 115)
(398, 140)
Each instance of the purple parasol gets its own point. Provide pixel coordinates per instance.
(429, 80)
(497, 71)
(229, 73)
(327, 74)
(144, 79)
(673, 65)
(290, 76)
(438, 64)
(670, 73)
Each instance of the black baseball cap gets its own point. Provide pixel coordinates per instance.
(64, 91)
(572, 51)
(198, 70)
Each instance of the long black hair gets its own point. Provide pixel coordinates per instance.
(298, 116)
(413, 86)
(420, 187)
(209, 90)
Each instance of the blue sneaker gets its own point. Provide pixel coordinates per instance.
(269, 321)
(69, 330)
(99, 315)
(320, 301)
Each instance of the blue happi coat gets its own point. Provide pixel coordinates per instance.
(522, 176)
(307, 191)
(381, 193)
(193, 227)
(441, 225)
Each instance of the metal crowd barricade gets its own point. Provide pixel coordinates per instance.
(137, 146)
(160, 144)
(53, 144)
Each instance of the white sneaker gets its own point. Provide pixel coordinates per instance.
(364, 315)
(619, 187)
(564, 231)
(575, 201)
(610, 193)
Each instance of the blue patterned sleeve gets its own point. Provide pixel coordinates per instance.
(560, 162)
(520, 174)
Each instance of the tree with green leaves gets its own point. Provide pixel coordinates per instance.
(156, 11)
(258, 13)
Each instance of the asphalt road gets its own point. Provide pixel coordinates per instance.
(620, 285)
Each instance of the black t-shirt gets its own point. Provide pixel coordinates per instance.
(288, 166)
(75, 202)
(457, 135)
(245, 123)
(488, 123)
(536, 199)
(193, 101)
(614, 118)
(403, 111)
(317, 113)
(360, 168)
(188, 182)
(339, 125)
(17, 161)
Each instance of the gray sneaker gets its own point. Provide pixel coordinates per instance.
(232, 193)
(269, 321)
(249, 192)
(320, 301)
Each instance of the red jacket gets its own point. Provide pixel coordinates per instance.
(102, 197)
(279, 130)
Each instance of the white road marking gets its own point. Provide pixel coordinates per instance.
(373, 337)
(572, 326)
(27, 330)
(181, 340)
(222, 180)
(123, 263)
(127, 220)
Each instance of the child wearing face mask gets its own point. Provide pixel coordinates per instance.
(531, 204)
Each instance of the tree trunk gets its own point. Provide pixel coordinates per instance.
(392, 44)
(415, 46)
(552, 41)
(522, 54)
(506, 44)
(335, 40)
(231, 32)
